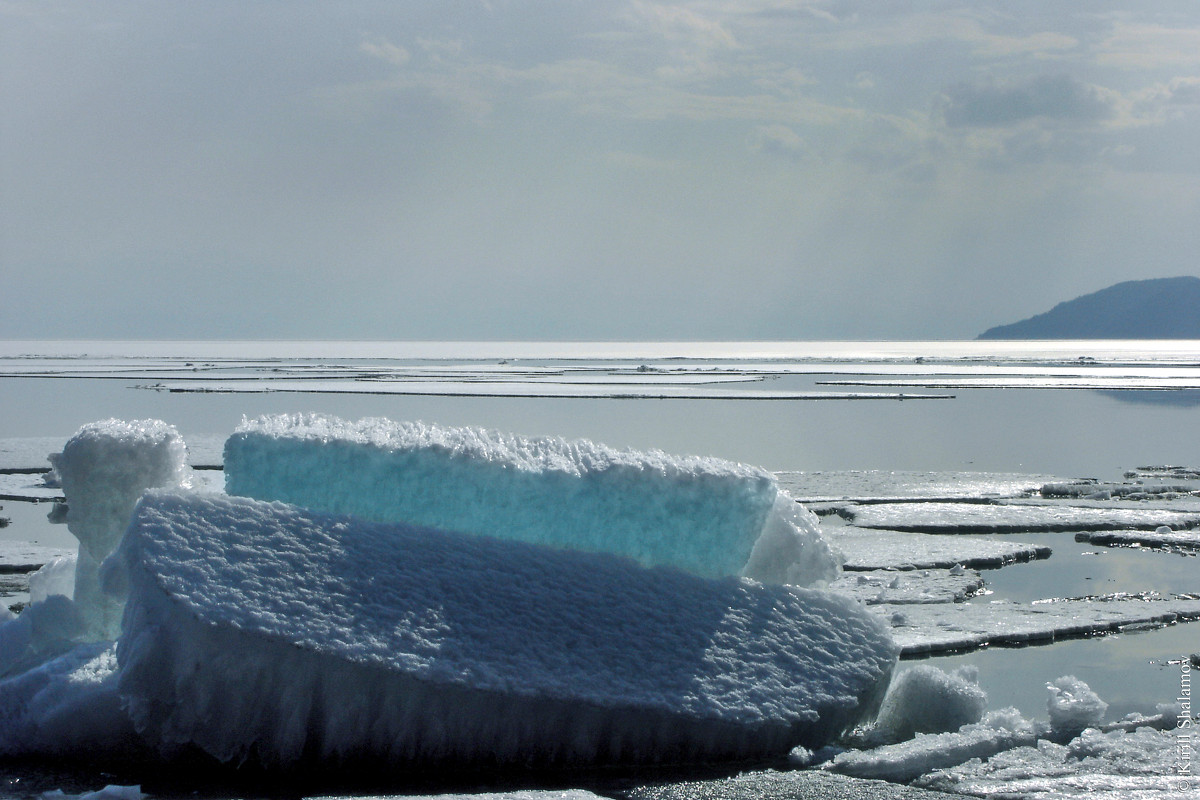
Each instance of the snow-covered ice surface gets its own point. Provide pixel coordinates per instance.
(911, 586)
(264, 631)
(704, 515)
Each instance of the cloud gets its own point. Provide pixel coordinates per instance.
(677, 23)
(1000, 104)
(1150, 46)
(1184, 91)
(385, 50)
(779, 140)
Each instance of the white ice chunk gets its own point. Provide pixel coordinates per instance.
(1073, 707)
(267, 631)
(55, 577)
(924, 699)
(104, 468)
(704, 515)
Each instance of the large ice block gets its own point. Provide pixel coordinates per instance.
(270, 632)
(704, 515)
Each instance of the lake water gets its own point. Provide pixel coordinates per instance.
(1072, 432)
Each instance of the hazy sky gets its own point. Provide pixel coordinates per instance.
(602, 169)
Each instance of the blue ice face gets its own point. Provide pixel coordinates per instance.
(701, 515)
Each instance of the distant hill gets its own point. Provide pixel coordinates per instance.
(1162, 308)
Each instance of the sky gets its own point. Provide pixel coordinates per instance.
(587, 170)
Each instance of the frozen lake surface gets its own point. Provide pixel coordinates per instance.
(1008, 453)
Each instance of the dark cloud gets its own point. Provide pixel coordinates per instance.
(998, 105)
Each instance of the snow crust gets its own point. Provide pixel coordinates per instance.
(265, 631)
(704, 515)
(103, 470)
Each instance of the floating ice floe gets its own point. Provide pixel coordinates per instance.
(524, 389)
(883, 486)
(1102, 490)
(1119, 382)
(22, 557)
(1162, 537)
(28, 486)
(1012, 518)
(704, 515)
(909, 586)
(965, 626)
(881, 549)
(260, 630)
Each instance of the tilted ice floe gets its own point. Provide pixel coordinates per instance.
(965, 626)
(704, 515)
(261, 630)
(882, 549)
(1163, 537)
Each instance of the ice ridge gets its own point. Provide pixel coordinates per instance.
(263, 631)
(704, 515)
